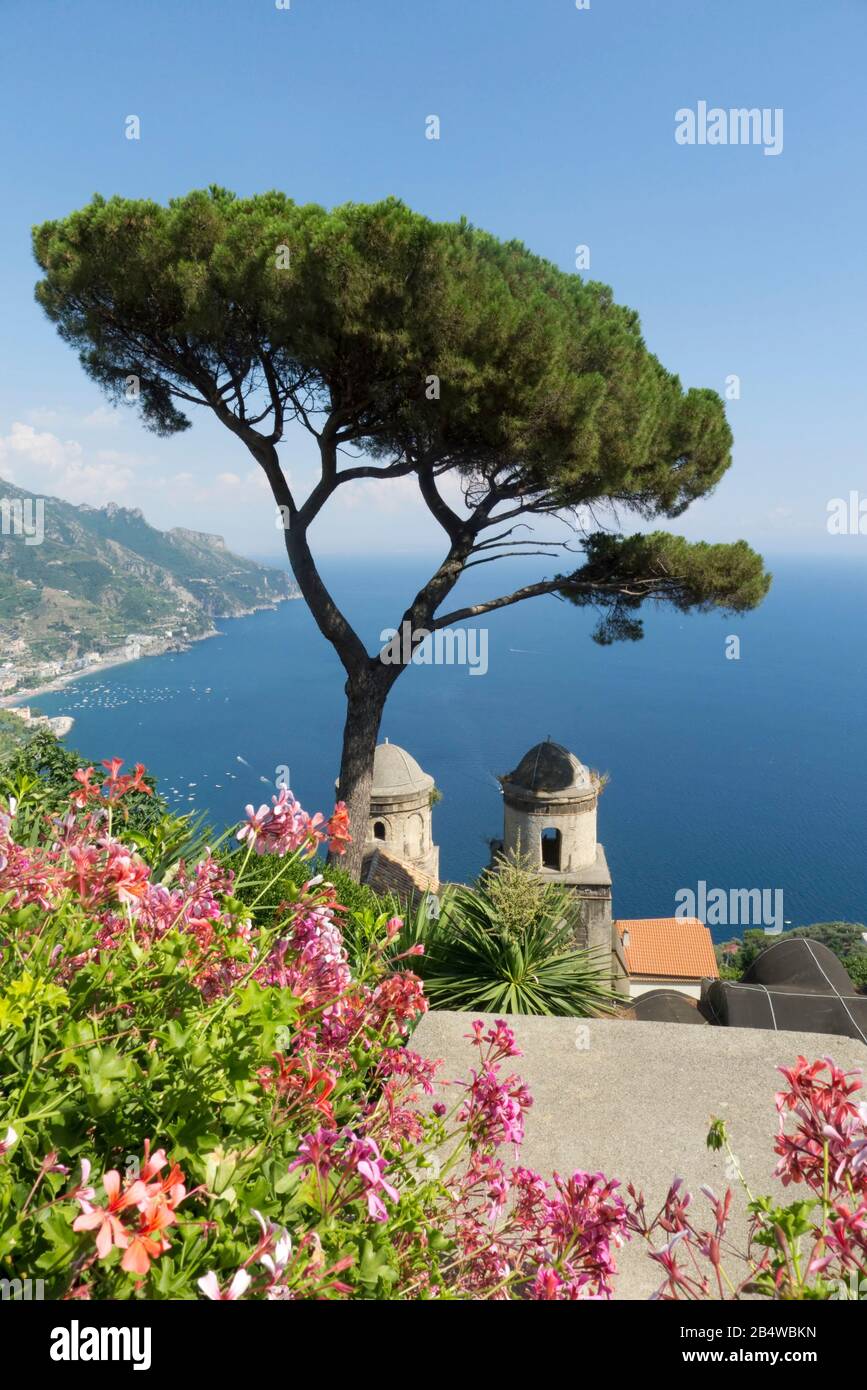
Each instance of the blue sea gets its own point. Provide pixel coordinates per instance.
(747, 773)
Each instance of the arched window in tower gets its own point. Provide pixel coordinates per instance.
(551, 840)
(414, 836)
(379, 830)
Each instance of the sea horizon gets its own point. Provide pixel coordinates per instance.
(739, 774)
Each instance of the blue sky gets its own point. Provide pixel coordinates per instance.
(557, 126)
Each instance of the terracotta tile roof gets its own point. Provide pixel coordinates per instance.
(674, 948)
(385, 873)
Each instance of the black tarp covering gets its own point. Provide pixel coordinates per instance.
(796, 985)
(665, 1006)
(798, 963)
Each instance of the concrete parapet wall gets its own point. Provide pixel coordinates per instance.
(635, 1100)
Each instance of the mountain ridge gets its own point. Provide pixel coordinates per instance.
(78, 579)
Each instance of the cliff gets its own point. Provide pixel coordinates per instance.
(77, 579)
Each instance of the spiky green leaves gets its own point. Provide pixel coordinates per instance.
(480, 956)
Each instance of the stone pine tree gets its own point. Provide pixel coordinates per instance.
(507, 389)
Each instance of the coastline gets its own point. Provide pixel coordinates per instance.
(60, 682)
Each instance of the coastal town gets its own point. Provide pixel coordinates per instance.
(22, 675)
(100, 586)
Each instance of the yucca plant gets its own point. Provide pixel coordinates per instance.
(508, 946)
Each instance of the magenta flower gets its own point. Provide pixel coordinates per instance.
(370, 1167)
(317, 1149)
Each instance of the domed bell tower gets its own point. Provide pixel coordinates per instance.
(400, 809)
(549, 819)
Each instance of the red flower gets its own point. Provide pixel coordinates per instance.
(337, 829)
(148, 1242)
(87, 790)
(113, 788)
(298, 1081)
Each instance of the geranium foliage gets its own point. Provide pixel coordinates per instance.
(202, 1098)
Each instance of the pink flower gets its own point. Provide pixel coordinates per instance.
(546, 1285)
(371, 1167)
(210, 1287)
(494, 1110)
(83, 1193)
(256, 821)
(402, 1062)
(284, 827)
(274, 1249)
(317, 1149)
(106, 1220)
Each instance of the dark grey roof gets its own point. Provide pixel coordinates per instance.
(549, 767)
(666, 1006)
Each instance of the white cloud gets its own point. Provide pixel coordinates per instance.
(397, 496)
(41, 462)
(177, 483)
(256, 478)
(102, 418)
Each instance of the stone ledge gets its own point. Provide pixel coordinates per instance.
(637, 1101)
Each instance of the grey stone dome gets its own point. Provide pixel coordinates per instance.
(396, 774)
(549, 770)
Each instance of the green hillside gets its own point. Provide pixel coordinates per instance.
(101, 574)
(14, 734)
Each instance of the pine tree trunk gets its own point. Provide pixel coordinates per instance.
(365, 700)
(369, 680)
